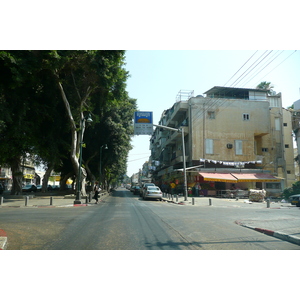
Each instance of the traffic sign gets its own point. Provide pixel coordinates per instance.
(143, 123)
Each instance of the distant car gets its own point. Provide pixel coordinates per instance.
(152, 192)
(1, 189)
(136, 190)
(29, 188)
(144, 186)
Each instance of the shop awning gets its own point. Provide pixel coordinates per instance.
(223, 177)
(255, 177)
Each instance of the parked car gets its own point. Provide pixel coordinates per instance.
(39, 188)
(152, 192)
(1, 189)
(295, 200)
(29, 188)
(144, 186)
(136, 190)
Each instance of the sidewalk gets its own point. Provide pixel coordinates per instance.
(45, 200)
(285, 228)
(41, 200)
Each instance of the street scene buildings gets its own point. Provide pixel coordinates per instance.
(235, 139)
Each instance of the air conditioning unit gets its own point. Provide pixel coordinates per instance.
(229, 146)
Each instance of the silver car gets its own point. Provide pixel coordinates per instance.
(152, 192)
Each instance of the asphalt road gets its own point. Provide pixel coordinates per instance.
(126, 222)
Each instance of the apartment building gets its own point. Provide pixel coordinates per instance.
(233, 138)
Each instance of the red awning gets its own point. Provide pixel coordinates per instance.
(223, 177)
(255, 177)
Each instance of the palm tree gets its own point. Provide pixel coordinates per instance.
(264, 85)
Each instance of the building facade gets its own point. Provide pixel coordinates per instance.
(233, 138)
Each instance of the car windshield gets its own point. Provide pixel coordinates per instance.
(154, 188)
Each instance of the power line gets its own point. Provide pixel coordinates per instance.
(255, 66)
(247, 69)
(240, 67)
(277, 65)
(138, 159)
(263, 67)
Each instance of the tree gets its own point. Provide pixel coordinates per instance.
(43, 96)
(293, 190)
(264, 85)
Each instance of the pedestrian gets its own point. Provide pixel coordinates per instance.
(97, 190)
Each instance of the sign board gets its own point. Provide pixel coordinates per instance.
(143, 123)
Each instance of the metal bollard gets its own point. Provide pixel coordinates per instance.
(193, 201)
(86, 199)
(90, 197)
(209, 201)
(1, 200)
(172, 197)
(51, 200)
(268, 203)
(176, 198)
(26, 200)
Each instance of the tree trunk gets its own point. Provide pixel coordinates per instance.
(17, 175)
(75, 146)
(63, 180)
(46, 177)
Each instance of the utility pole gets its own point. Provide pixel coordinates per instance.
(183, 154)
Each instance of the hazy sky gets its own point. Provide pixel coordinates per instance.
(158, 75)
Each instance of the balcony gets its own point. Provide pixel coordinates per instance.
(175, 136)
(177, 112)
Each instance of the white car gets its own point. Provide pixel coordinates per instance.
(152, 192)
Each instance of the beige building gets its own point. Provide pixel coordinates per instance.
(235, 137)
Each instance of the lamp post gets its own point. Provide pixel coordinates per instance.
(183, 154)
(100, 166)
(87, 119)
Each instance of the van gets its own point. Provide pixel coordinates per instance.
(295, 200)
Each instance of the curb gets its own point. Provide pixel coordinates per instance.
(276, 234)
(3, 239)
(172, 201)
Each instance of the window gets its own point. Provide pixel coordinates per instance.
(264, 149)
(277, 124)
(285, 124)
(286, 146)
(211, 114)
(209, 146)
(238, 147)
(273, 185)
(274, 102)
(246, 117)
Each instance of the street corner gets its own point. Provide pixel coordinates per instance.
(3, 239)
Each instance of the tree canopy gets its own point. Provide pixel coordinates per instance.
(43, 98)
(268, 86)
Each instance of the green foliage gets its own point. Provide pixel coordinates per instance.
(264, 85)
(33, 117)
(293, 190)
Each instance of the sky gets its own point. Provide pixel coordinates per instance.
(157, 76)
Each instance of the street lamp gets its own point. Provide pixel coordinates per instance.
(87, 119)
(100, 171)
(183, 154)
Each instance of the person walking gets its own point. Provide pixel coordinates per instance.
(96, 192)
